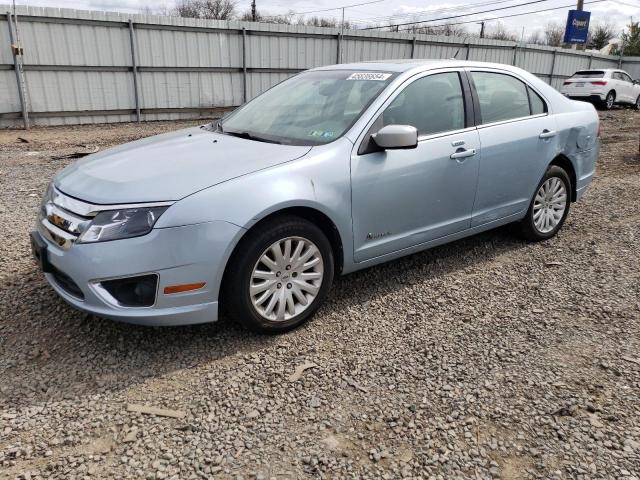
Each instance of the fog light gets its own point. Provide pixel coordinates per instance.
(133, 291)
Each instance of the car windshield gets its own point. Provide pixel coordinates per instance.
(589, 74)
(311, 108)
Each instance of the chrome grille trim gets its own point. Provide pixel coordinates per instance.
(86, 209)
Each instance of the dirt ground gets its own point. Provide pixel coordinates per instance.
(485, 358)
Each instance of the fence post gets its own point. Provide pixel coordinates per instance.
(339, 52)
(515, 54)
(468, 51)
(590, 61)
(553, 66)
(134, 69)
(244, 65)
(413, 47)
(17, 66)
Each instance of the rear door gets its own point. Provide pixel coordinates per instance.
(628, 87)
(518, 139)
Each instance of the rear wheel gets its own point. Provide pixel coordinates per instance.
(609, 100)
(549, 207)
(637, 104)
(279, 276)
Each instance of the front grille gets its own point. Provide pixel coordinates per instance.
(66, 283)
(59, 223)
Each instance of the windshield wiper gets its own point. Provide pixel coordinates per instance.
(251, 136)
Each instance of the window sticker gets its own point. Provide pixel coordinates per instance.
(377, 76)
(321, 133)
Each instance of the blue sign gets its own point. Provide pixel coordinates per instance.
(577, 26)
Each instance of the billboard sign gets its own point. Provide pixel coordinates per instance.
(577, 26)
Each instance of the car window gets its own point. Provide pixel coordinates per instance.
(502, 97)
(432, 104)
(537, 103)
(588, 74)
(311, 108)
(626, 77)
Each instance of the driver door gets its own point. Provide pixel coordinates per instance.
(403, 198)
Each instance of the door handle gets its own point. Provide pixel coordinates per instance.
(463, 154)
(547, 133)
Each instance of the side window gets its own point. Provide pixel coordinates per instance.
(626, 78)
(537, 103)
(432, 104)
(502, 97)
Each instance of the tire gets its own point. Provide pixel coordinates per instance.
(280, 282)
(609, 100)
(533, 227)
(636, 106)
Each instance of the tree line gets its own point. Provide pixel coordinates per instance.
(600, 33)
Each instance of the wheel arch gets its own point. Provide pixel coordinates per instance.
(566, 164)
(313, 215)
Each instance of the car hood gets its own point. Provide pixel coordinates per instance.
(169, 166)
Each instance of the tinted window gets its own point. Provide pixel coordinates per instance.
(432, 104)
(626, 77)
(589, 74)
(502, 97)
(537, 104)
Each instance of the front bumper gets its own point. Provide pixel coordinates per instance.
(178, 255)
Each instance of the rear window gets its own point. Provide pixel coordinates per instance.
(589, 74)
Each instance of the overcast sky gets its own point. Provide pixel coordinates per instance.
(617, 12)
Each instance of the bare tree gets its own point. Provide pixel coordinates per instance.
(536, 38)
(600, 35)
(446, 30)
(211, 9)
(554, 34)
(286, 19)
(501, 33)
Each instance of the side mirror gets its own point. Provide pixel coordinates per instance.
(636, 81)
(393, 137)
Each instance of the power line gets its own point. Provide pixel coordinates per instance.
(488, 19)
(324, 9)
(427, 12)
(463, 15)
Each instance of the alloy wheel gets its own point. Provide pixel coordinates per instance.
(549, 205)
(610, 100)
(286, 278)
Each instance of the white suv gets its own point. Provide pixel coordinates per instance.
(604, 87)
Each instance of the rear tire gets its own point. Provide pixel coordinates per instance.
(279, 275)
(637, 104)
(609, 100)
(549, 206)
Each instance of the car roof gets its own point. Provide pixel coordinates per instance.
(404, 65)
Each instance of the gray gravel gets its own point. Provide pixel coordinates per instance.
(485, 358)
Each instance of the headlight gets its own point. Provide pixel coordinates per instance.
(119, 224)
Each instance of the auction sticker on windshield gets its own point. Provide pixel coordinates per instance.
(369, 76)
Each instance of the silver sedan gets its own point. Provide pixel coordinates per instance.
(333, 170)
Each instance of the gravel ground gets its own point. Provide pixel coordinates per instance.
(488, 357)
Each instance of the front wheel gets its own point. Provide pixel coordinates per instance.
(549, 207)
(279, 276)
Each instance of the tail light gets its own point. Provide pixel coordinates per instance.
(599, 82)
(567, 83)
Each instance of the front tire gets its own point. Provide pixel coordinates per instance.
(279, 276)
(549, 206)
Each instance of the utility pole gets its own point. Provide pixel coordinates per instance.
(579, 7)
(481, 29)
(341, 33)
(253, 10)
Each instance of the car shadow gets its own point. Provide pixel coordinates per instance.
(50, 352)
